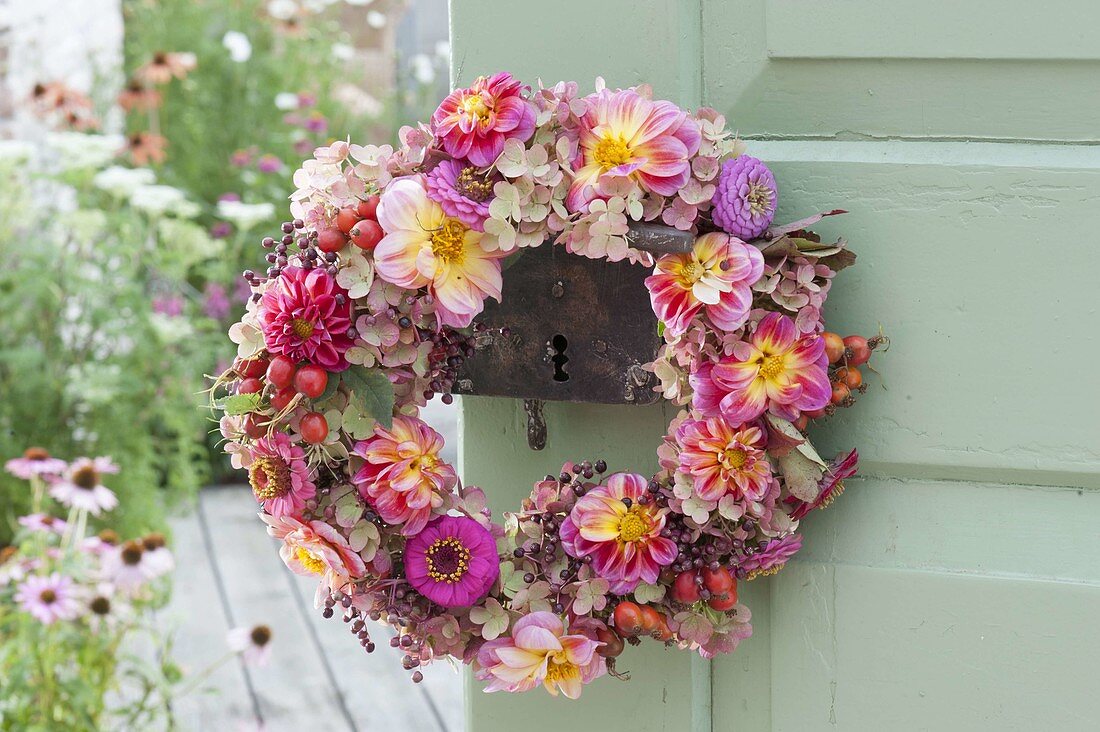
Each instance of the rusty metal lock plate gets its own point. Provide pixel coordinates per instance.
(579, 329)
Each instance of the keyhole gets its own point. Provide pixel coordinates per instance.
(559, 358)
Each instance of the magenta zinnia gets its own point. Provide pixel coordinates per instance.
(279, 475)
(462, 192)
(305, 315)
(773, 370)
(722, 458)
(619, 527)
(474, 123)
(453, 562)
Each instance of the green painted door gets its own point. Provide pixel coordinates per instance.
(957, 585)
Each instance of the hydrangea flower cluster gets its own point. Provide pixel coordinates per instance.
(369, 307)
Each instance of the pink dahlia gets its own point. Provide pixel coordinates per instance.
(623, 134)
(772, 558)
(774, 370)
(722, 458)
(474, 123)
(35, 462)
(453, 562)
(316, 548)
(279, 475)
(716, 276)
(745, 197)
(462, 192)
(403, 477)
(82, 486)
(49, 598)
(539, 651)
(619, 527)
(305, 315)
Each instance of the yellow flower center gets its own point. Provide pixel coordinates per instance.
(734, 458)
(447, 560)
(309, 560)
(449, 241)
(634, 525)
(424, 462)
(771, 366)
(269, 477)
(560, 669)
(692, 272)
(759, 198)
(475, 107)
(301, 328)
(611, 152)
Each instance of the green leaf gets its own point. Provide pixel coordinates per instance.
(372, 391)
(660, 329)
(240, 404)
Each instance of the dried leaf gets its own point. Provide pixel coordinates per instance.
(782, 436)
(803, 223)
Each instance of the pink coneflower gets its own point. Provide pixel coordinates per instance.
(48, 598)
(463, 192)
(126, 567)
(35, 462)
(772, 558)
(619, 527)
(254, 644)
(269, 164)
(722, 458)
(279, 475)
(623, 134)
(775, 369)
(305, 315)
(403, 476)
(453, 562)
(81, 487)
(474, 123)
(156, 555)
(44, 523)
(166, 65)
(539, 651)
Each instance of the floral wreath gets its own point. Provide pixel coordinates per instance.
(367, 311)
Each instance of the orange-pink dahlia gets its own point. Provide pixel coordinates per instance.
(475, 122)
(619, 527)
(623, 133)
(403, 477)
(716, 276)
(722, 458)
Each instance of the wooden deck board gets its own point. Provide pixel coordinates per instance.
(318, 675)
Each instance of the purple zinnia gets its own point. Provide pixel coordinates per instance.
(453, 562)
(462, 192)
(744, 202)
(772, 558)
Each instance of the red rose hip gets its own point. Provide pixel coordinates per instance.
(280, 372)
(314, 428)
(311, 380)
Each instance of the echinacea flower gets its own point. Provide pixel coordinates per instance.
(146, 148)
(462, 191)
(34, 463)
(44, 523)
(775, 370)
(453, 562)
(305, 315)
(619, 527)
(127, 567)
(81, 486)
(423, 247)
(475, 122)
(716, 276)
(772, 558)
(722, 459)
(253, 644)
(744, 200)
(279, 475)
(316, 548)
(404, 477)
(166, 65)
(539, 651)
(830, 486)
(48, 598)
(157, 557)
(623, 133)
